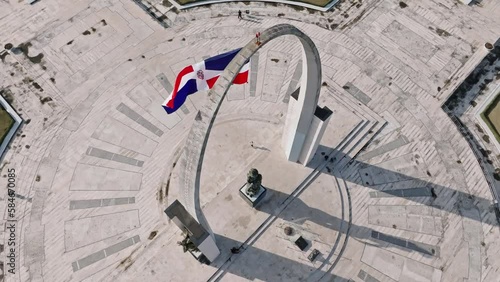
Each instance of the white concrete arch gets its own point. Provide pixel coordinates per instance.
(297, 126)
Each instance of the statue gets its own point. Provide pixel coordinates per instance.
(187, 244)
(254, 180)
(253, 192)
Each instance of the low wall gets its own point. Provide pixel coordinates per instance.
(292, 3)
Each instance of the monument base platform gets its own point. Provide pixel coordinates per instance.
(256, 199)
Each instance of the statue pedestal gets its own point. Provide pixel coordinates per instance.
(199, 256)
(256, 199)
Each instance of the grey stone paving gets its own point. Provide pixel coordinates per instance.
(419, 219)
(411, 245)
(411, 192)
(103, 154)
(96, 178)
(139, 119)
(397, 267)
(168, 86)
(122, 135)
(277, 64)
(97, 203)
(184, 109)
(400, 141)
(164, 82)
(358, 94)
(148, 98)
(95, 257)
(79, 232)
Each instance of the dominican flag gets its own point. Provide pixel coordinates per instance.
(202, 76)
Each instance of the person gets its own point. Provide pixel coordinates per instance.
(239, 15)
(257, 36)
(251, 143)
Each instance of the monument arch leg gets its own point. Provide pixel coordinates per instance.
(301, 109)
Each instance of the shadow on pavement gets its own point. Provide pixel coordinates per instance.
(256, 264)
(396, 184)
(299, 212)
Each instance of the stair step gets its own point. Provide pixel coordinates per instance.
(370, 126)
(355, 150)
(349, 142)
(354, 146)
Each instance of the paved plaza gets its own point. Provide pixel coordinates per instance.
(394, 192)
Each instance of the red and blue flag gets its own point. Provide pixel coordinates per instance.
(202, 76)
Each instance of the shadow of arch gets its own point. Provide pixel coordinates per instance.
(299, 122)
